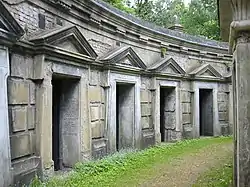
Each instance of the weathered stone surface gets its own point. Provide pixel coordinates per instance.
(32, 92)
(144, 96)
(145, 122)
(145, 110)
(31, 117)
(18, 92)
(5, 159)
(97, 129)
(185, 97)
(186, 118)
(170, 104)
(186, 108)
(225, 131)
(222, 106)
(148, 138)
(32, 141)
(94, 77)
(222, 97)
(102, 112)
(94, 113)
(25, 170)
(25, 165)
(223, 87)
(21, 66)
(19, 118)
(172, 135)
(169, 100)
(223, 116)
(20, 145)
(95, 94)
(170, 120)
(99, 148)
(187, 131)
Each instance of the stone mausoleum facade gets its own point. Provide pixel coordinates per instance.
(80, 80)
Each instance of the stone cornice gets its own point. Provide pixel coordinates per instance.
(124, 20)
(52, 52)
(102, 16)
(10, 30)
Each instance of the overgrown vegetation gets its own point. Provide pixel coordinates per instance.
(128, 167)
(200, 17)
(218, 176)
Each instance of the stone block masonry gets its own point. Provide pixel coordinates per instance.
(187, 111)
(22, 112)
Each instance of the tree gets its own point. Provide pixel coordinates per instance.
(121, 4)
(165, 11)
(199, 18)
(144, 9)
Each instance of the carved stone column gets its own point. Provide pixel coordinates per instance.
(240, 47)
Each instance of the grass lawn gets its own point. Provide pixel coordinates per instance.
(131, 168)
(220, 176)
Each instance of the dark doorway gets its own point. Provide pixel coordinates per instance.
(206, 112)
(167, 111)
(125, 110)
(65, 119)
(56, 123)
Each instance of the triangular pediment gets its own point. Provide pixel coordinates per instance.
(169, 66)
(124, 56)
(8, 25)
(68, 38)
(206, 70)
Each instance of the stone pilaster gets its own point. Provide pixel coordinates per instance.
(5, 158)
(240, 47)
(242, 110)
(44, 116)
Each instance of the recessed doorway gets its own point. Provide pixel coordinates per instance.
(125, 113)
(206, 112)
(65, 122)
(167, 111)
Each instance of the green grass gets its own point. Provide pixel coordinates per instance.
(128, 168)
(217, 177)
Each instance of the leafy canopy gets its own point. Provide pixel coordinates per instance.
(198, 18)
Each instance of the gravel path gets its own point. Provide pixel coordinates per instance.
(184, 171)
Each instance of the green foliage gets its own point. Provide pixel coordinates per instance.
(199, 18)
(120, 4)
(124, 167)
(36, 182)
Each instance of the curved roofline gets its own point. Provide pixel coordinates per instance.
(197, 40)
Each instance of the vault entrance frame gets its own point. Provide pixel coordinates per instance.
(163, 129)
(125, 114)
(160, 83)
(196, 107)
(44, 110)
(114, 79)
(65, 121)
(206, 112)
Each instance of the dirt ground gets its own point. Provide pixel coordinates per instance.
(184, 171)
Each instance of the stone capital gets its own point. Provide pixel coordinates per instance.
(240, 23)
